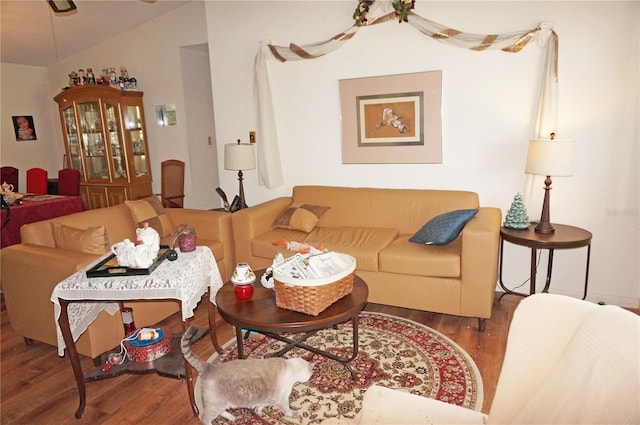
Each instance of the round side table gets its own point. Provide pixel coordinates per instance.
(564, 237)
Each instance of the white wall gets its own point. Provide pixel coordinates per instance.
(25, 91)
(489, 108)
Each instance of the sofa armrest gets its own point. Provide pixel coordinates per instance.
(210, 225)
(381, 405)
(29, 274)
(251, 222)
(480, 243)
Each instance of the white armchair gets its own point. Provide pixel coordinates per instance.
(567, 362)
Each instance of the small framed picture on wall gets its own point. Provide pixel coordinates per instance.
(24, 127)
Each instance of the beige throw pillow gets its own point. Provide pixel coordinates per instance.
(150, 210)
(92, 240)
(303, 217)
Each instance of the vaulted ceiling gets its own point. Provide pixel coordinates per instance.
(32, 34)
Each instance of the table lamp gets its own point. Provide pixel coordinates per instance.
(239, 156)
(549, 157)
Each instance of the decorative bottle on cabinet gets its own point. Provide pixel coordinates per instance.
(106, 140)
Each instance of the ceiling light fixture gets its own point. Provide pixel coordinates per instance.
(62, 6)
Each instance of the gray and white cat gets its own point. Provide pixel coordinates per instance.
(252, 383)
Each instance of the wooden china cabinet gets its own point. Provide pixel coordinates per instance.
(106, 140)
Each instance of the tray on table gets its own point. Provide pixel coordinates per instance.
(109, 266)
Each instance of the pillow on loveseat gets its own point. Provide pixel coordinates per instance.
(444, 228)
(92, 240)
(150, 210)
(303, 217)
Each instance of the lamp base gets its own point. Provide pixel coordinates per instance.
(242, 204)
(545, 226)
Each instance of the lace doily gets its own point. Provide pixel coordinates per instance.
(185, 279)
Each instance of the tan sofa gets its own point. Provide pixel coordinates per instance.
(374, 226)
(31, 270)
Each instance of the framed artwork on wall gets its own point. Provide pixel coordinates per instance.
(394, 119)
(24, 128)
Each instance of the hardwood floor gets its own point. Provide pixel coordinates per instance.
(37, 386)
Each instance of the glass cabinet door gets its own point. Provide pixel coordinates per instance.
(115, 142)
(93, 141)
(136, 134)
(71, 130)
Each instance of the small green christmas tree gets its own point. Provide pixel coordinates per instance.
(517, 215)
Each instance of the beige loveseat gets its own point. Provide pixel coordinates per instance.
(374, 226)
(31, 270)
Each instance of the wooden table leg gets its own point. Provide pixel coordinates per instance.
(212, 325)
(63, 322)
(188, 371)
(240, 342)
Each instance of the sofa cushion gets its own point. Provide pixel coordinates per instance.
(444, 228)
(262, 246)
(92, 240)
(404, 257)
(303, 217)
(362, 243)
(150, 210)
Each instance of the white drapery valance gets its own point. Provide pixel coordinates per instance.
(380, 12)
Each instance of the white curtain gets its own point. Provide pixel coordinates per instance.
(380, 12)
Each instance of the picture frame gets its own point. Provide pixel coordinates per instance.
(393, 119)
(24, 128)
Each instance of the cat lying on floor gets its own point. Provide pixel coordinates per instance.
(252, 383)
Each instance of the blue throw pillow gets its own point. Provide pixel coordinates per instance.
(443, 229)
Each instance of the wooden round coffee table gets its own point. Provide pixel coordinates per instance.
(260, 314)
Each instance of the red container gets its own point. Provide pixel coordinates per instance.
(127, 320)
(243, 291)
(187, 243)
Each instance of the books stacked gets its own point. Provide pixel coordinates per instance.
(312, 266)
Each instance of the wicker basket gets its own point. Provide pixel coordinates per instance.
(313, 296)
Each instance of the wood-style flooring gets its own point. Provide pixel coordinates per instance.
(38, 387)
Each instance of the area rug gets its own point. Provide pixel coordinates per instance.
(394, 352)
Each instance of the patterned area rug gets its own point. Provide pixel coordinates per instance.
(394, 352)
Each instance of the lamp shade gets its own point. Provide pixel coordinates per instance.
(548, 157)
(239, 156)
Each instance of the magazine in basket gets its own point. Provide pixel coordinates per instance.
(310, 284)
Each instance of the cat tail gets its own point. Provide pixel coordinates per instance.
(185, 346)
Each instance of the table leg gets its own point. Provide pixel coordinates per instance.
(586, 275)
(547, 283)
(63, 321)
(501, 255)
(239, 342)
(506, 290)
(346, 362)
(532, 273)
(188, 371)
(212, 325)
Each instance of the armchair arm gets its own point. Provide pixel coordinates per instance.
(29, 274)
(480, 243)
(382, 405)
(254, 221)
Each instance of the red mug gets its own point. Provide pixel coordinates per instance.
(243, 291)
